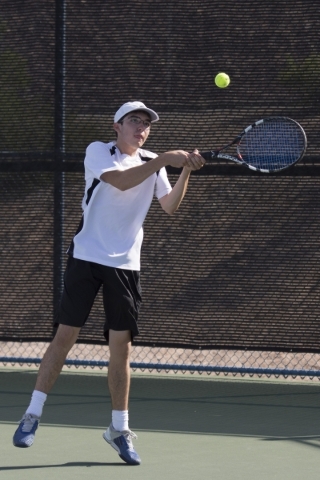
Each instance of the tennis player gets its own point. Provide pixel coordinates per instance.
(121, 180)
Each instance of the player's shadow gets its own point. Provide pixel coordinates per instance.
(68, 464)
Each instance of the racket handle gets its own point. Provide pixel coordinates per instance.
(209, 155)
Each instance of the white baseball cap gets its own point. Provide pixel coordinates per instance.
(131, 107)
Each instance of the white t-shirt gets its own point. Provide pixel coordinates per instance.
(111, 230)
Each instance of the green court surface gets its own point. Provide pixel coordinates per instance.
(188, 428)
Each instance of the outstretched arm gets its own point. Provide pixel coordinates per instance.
(131, 177)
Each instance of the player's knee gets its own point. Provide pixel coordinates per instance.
(120, 343)
(66, 336)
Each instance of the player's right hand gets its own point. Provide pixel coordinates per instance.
(175, 158)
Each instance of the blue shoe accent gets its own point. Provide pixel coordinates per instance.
(122, 443)
(24, 435)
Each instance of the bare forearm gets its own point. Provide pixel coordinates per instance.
(131, 177)
(125, 179)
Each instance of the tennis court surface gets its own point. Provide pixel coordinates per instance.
(188, 427)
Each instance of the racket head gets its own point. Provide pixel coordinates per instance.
(272, 144)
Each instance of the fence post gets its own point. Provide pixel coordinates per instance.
(59, 149)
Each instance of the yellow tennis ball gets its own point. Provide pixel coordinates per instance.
(222, 80)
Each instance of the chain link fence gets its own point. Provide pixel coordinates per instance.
(231, 283)
(175, 360)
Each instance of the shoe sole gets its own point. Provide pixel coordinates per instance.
(116, 448)
(23, 445)
(26, 444)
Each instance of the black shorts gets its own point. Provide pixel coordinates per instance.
(121, 296)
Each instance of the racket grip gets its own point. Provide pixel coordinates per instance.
(208, 155)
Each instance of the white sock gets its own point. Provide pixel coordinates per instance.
(120, 420)
(37, 403)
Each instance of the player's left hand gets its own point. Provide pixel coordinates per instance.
(194, 160)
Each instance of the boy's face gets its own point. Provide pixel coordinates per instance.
(133, 130)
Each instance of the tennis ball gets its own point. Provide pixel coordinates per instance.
(222, 80)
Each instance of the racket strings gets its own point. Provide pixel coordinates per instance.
(272, 145)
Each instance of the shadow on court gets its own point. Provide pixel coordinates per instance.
(64, 465)
(271, 411)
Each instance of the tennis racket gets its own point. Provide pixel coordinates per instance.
(267, 146)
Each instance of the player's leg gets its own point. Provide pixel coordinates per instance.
(50, 368)
(80, 289)
(118, 435)
(119, 369)
(122, 299)
(55, 356)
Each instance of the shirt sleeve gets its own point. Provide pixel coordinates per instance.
(163, 186)
(98, 160)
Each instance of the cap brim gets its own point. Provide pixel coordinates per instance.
(153, 115)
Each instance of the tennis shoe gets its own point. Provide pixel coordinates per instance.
(122, 443)
(25, 433)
